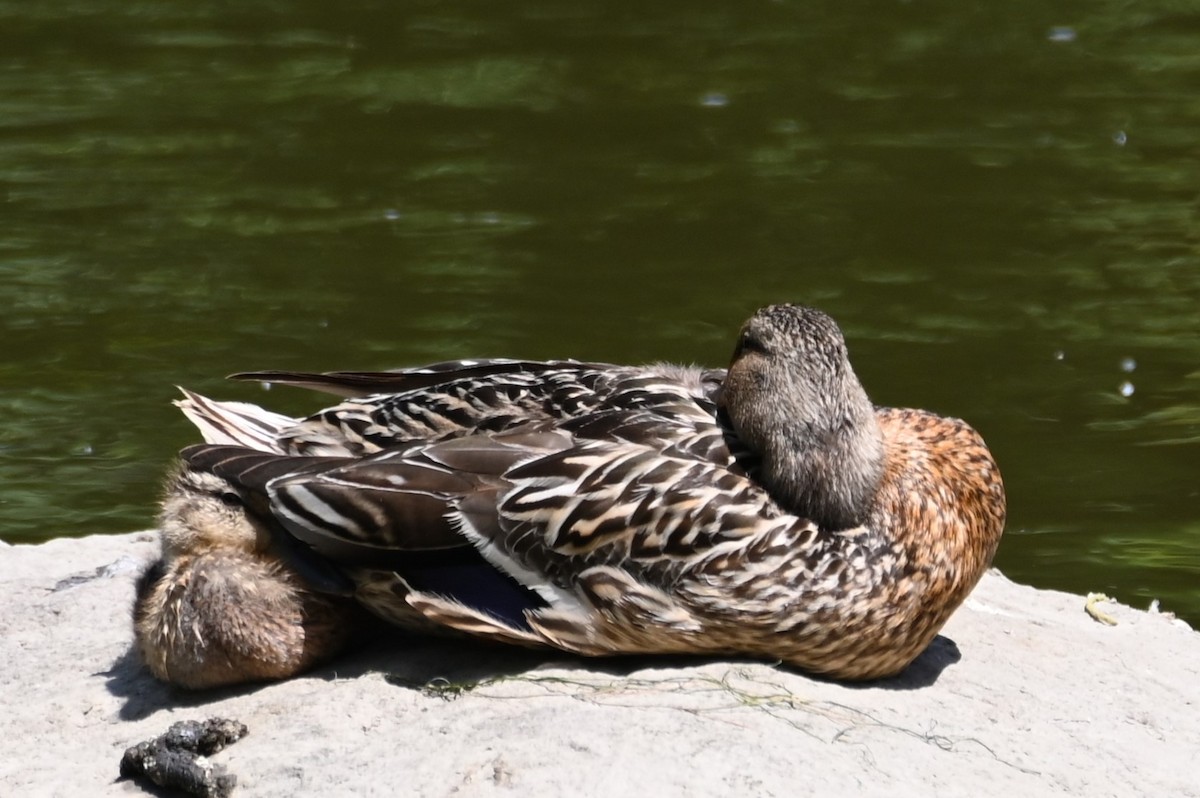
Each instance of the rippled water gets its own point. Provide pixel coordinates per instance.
(997, 202)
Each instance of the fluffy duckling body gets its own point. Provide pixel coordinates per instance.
(772, 511)
(219, 607)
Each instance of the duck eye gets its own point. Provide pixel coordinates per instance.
(751, 343)
(230, 499)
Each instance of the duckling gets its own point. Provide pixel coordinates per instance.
(772, 511)
(219, 607)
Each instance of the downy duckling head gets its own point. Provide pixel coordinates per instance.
(792, 397)
(203, 512)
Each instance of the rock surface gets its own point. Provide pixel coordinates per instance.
(1023, 694)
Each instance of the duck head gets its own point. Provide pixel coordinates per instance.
(202, 512)
(793, 398)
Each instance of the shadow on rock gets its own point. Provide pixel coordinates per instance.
(128, 678)
(415, 661)
(924, 670)
(444, 666)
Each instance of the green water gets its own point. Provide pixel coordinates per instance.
(998, 201)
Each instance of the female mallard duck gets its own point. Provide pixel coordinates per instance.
(605, 510)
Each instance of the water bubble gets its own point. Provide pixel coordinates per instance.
(1119, 138)
(1128, 364)
(391, 214)
(1060, 355)
(1126, 389)
(1061, 33)
(714, 99)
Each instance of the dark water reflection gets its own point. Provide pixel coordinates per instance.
(998, 202)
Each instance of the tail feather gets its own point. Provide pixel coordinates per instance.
(235, 423)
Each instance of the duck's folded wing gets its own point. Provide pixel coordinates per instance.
(586, 545)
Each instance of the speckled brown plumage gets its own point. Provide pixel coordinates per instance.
(771, 511)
